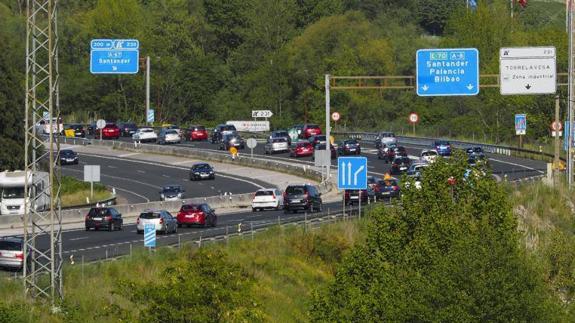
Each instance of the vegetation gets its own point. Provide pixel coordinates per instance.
(216, 60)
(467, 252)
(75, 192)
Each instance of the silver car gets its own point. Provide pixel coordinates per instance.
(274, 145)
(169, 136)
(12, 253)
(162, 220)
(385, 139)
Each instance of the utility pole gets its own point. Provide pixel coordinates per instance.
(327, 123)
(570, 102)
(42, 270)
(557, 144)
(147, 88)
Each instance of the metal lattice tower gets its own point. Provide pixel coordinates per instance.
(42, 228)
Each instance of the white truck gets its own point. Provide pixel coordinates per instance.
(12, 200)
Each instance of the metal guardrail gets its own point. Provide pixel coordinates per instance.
(428, 142)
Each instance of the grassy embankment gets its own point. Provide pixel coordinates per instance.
(287, 265)
(75, 192)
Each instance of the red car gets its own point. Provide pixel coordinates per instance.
(197, 133)
(301, 149)
(197, 214)
(110, 131)
(310, 130)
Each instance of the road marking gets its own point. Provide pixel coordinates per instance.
(133, 193)
(76, 239)
(183, 162)
(166, 176)
(128, 155)
(141, 171)
(110, 166)
(518, 165)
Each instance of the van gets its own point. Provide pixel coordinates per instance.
(12, 201)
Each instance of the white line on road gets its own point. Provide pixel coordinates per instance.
(76, 239)
(141, 171)
(518, 165)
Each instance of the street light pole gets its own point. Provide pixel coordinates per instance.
(147, 88)
(327, 123)
(570, 102)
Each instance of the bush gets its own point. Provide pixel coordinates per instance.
(207, 287)
(450, 253)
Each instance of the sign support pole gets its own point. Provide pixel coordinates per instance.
(556, 150)
(147, 87)
(92, 190)
(570, 102)
(520, 141)
(327, 121)
(414, 129)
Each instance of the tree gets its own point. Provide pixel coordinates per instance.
(449, 253)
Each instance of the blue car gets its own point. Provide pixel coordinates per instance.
(443, 147)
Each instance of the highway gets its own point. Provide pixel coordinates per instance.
(139, 181)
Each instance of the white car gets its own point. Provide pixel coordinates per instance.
(385, 139)
(162, 221)
(267, 198)
(429, 156)
(169, 136)
(274, 145)
(145, 135)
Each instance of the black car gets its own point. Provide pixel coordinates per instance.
(400, 165)
(281, 134)
(79, 131)
(232, 140)
(172, 193)
(92, 128)
(302, 197)
(104, 218)
(221, 130)
(68, 157)
(317, 139)
(355, 196)
(476, 151)
(202, 171)
(348, 147)
(388, 188)
(127, 129)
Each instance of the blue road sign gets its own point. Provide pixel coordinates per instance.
(150, 235)
(151, 116)
(352, 173)
(114, 56)
(447, 72)
(520, 124)
(565, 134)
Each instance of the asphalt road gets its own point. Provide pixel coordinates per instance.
(141, 181)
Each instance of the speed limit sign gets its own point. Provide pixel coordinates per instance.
(335, 116)
(413, 118)
(556, 126)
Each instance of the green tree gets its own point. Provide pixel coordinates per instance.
(449, 253)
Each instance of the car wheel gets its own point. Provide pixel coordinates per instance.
(175, 228)
(121, 228)
(286, 211)
(179, 225)
(87, 229)
(140, 231)
(254, 209)
(214, 221)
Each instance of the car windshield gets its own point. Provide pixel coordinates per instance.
(149, 215)
(477, 150)
(387, 135)
(229, 128)
(146, 130)
(442, 143)
(190, 207)
(129, 125)
(171, 189)
(97, 212)
(312, 126)
(66, 153)
(10, 245)
(171, 132)
(280, 134)
(75, 127)
(295, 190)
(351, 142)
(279, 140)
(202, 167)
(265, 193)
(199, 128)
(13, 192)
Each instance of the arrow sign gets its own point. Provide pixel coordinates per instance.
(262, 114)
(470, 87)
(528, 86)
(352, 173)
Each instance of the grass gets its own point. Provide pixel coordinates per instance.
(75, 192)
(287, 264)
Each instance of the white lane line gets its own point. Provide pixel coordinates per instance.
(518, 165)
(110, 166)
(119, 178)
(76, 239)
(133, 193)
(141, 171)
(183, 162)
(166, 176)
(128, 155)
(156, 164)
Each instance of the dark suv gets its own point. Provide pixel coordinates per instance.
(302, 197)
(221, 130)
(104, 218)
(127, 129)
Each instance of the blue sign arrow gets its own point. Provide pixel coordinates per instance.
(114, 56)
(352, 173)
(447, 72)
(150, 235)
(150, 118)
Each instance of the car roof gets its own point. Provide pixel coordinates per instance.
(200, 164)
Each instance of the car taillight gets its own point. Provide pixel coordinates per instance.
(161, 220)
(394, 165)
(20, 255)
(108, 218)
(306, 195)
(87, 218)
(274, 196)
(346, 194)
(138, 221)
(284, 195)
(395, 188)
